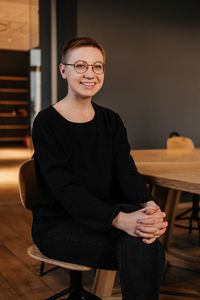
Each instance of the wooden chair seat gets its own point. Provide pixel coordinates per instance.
(35, 253)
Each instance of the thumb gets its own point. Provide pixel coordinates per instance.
(151, 210)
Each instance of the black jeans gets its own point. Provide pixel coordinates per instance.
(140, 265)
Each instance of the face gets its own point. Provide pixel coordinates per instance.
(89, 83)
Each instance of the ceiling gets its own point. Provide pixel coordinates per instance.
(19, 24)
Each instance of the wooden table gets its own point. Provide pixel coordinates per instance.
(176, 169)
(169, 172)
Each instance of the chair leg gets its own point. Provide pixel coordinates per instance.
(195, 212)
(195, 215)
(198, 222)
(42, 273)
(87, 295)
(195, 207)
(82, 295)
(75, 279)
(41, 268)
(190, 224)
(179, 217)
(60, 294)
(75, 290)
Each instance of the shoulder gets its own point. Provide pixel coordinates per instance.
(44, 122)
(113, 121)
(108, 114)
(44, 117)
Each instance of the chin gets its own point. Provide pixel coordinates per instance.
(89, 94)
(85, 96)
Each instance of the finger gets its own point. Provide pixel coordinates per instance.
(144, 234)
(153, 231)
(149, 241)
(155, 214)
(160, 214)
(161, 225)
(151, 210)
(157, 226)
(150, 207)
(147, 229)
(160, 232)
(156, 229)
(149, 221)
(150, 203)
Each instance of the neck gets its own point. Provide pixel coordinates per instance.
(83, 105)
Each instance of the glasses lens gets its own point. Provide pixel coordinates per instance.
(98, 68)
(80, 67)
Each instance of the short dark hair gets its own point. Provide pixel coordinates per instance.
(81, 42)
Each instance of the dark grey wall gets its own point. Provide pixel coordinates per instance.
(45, 46)
(153, 65)
(66, 30)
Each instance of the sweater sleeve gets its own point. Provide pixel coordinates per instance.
(131, 183)
(55, 169)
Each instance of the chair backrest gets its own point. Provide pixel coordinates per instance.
(27, 183)
(179, 142)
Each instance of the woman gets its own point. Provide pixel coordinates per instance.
(92, 206)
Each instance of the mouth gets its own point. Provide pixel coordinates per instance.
(88, 83)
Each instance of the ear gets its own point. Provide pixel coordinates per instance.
(62, 71)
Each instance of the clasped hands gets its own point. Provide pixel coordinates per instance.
(147, 223)
(152, 224)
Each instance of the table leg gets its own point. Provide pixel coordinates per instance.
(172, 201)
(168, 200)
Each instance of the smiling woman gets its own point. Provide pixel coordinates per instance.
(83, 70)
(92, 206)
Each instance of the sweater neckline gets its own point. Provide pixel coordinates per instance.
(76, 123)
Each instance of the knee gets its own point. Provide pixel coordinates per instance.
(130, 246)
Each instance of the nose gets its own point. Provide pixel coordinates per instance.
(89, 72)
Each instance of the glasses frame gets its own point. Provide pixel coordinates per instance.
(87, 66)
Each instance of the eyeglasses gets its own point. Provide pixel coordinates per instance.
(81, 67)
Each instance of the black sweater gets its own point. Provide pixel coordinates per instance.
(83, 169)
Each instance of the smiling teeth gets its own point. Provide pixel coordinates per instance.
(88, 83)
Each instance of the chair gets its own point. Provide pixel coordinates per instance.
(27, 183)
(175, 141)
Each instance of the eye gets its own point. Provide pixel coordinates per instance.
(98, 66)
(80, 65)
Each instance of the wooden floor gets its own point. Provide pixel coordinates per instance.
(19, 273)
